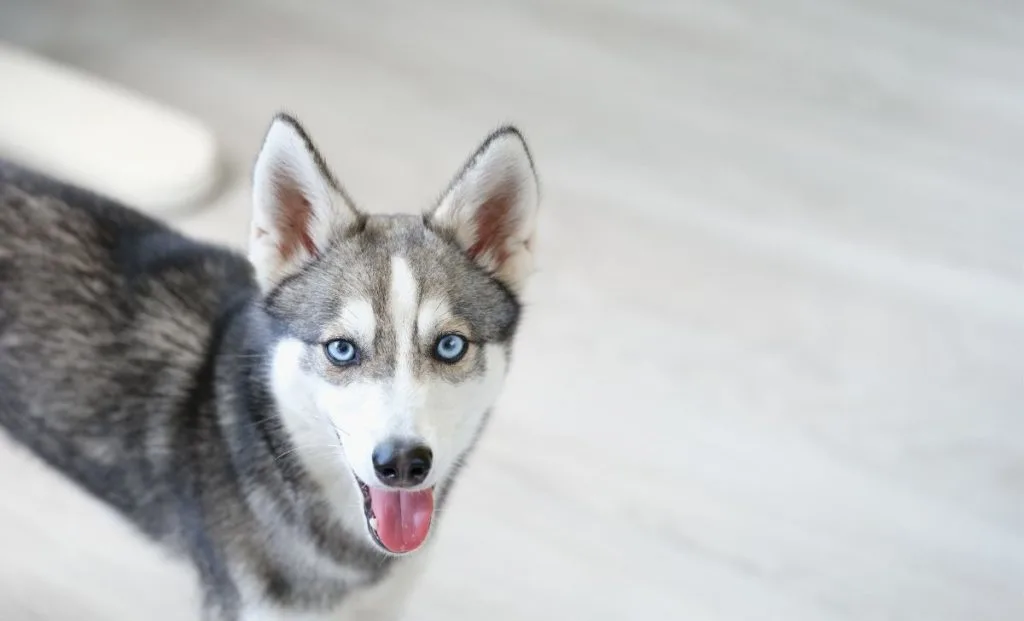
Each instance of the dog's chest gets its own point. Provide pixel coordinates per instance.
(384, 601)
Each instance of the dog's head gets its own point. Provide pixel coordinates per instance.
(395, 330)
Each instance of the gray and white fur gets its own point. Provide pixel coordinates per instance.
(243, 412)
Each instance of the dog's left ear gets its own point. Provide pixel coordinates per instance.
(298, 207)
(490, 210)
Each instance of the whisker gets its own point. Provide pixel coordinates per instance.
(330, 448)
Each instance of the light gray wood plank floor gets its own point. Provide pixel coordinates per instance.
(772, 365)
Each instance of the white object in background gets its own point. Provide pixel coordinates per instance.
(102, 137)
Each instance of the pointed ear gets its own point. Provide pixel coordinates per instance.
(298, 207)
(490, 208)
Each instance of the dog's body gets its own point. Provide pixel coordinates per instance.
(291, 424)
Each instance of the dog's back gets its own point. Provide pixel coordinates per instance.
(105, 321)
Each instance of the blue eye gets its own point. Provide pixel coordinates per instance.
(450, 348)
(341, 353)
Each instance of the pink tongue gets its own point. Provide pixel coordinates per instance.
(403, 518)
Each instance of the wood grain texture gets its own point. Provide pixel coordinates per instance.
(771, 366)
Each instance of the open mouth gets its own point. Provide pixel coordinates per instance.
(399, 520)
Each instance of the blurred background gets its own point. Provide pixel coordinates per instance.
(772, 364)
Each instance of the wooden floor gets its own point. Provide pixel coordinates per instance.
(772, 367)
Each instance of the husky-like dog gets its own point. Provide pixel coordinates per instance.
(291, 423)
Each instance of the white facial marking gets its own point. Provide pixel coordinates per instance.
(452, 413)
(406, 394)
(300, 396)
(358, 320)
(433, 312)
(404, 304)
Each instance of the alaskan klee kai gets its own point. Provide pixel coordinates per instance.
(292, 423)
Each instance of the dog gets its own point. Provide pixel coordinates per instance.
(291, 423)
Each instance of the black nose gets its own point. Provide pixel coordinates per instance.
(400, 463)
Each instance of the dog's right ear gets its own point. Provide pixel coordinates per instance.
(298, 207)
(490, 209)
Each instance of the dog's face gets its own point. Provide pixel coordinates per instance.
(395, 331)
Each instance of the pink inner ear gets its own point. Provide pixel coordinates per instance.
(493, 228)
(294, 221)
